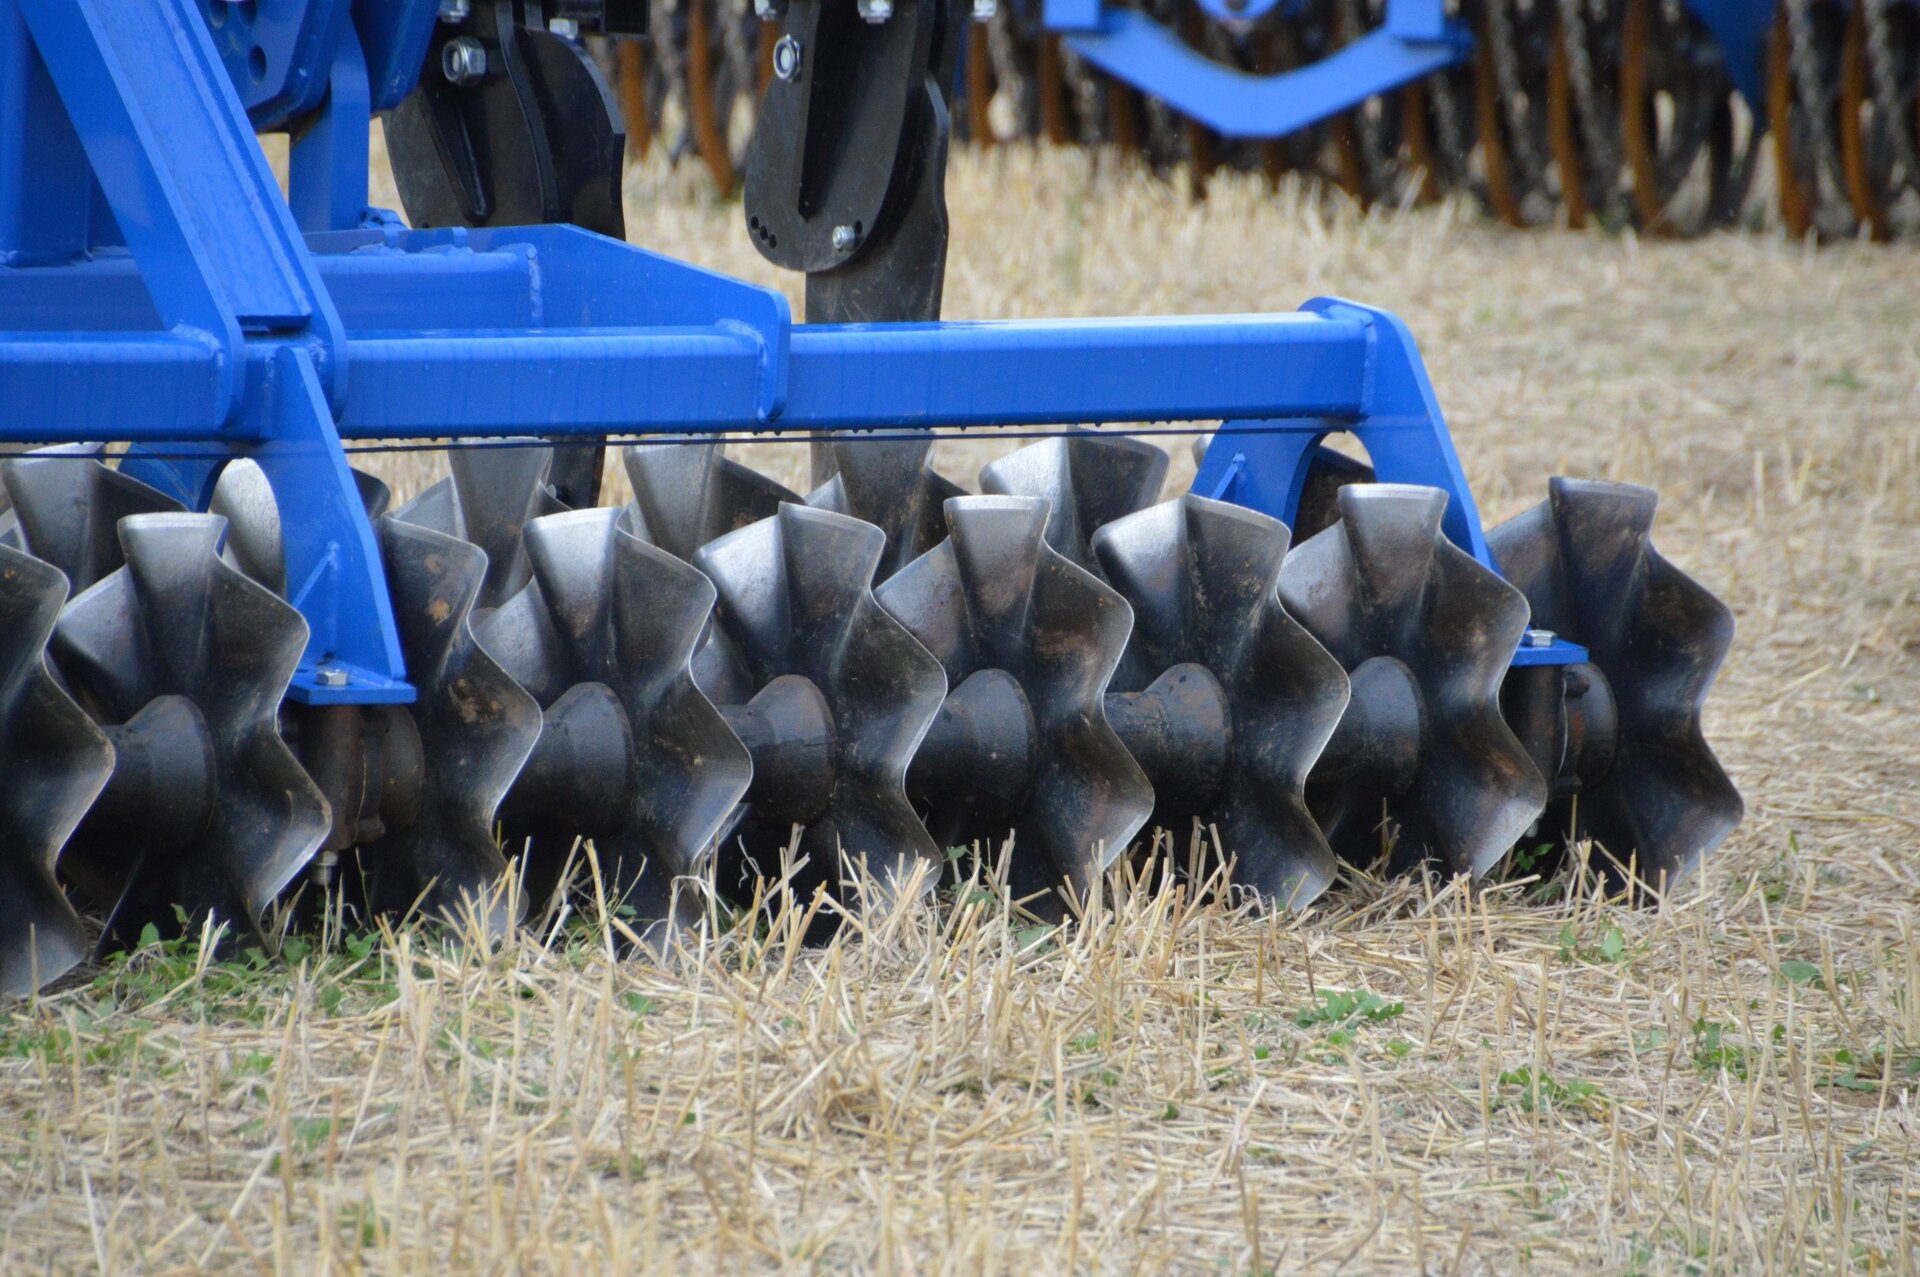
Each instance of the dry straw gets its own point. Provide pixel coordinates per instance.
(1412, 1078)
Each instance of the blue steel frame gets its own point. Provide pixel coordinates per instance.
(1740, 27)
(1416, 39)
(156, 290)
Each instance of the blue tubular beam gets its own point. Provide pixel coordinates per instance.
(856, 377)
(131, 386)
(554, 382)
(1138, 51)
(1037, 372)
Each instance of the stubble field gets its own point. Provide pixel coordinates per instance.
(1414, 1077)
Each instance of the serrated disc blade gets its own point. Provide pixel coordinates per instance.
(995, 596)
(1327, 473)
(688, 494)
(1385, 582)
(476, 728)
(603, 607)
(491, 496)
(1202, 577)
(1585, 560)
(178, 621)
(1089, 481)
(55, 762)
(795, 598)
(889, 484)
(69, 505)
(436, 507)
(501, 491)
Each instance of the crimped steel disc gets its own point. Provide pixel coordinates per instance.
(476, 727)
(631, 753)
(1202, 577)
(1423, 766)
(179, 642)
(491, 496)
(796, 602)
(69, 504)
(1087, 480)
(890, 484)
(55, 762)
(687, 494)
(995, 602)
(1585, 560)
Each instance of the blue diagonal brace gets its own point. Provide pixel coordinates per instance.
(333, 569)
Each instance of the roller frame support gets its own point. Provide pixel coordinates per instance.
(1741, 27)
(1416, 40)
(221, 331)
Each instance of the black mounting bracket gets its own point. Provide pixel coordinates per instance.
(846, 175)
(512, 124)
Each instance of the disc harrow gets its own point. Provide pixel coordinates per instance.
(1645, 113)
(241, 686)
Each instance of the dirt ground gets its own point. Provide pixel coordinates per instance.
(1412, 1078)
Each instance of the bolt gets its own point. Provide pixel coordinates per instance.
(1539, 638)
(983, 10)
(455, 10)
(786, 58)
(565, 28)
(463, 60)
(329, 676)
(844, 238)
(323, 867)
(876, 10)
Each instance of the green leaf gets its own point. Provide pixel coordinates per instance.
(1795, 971)
(309, 1131)
(149, 936)
(1171, 1112)
(1613, 944)
(639, 1004)
(1852, 1081)
(1029, 937)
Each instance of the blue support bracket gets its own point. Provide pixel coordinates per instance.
(1741, 29)
(327, 160)
(1556, 651)
(1263, 463)
(333, 570)
(1416, 40)
(212, 333)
